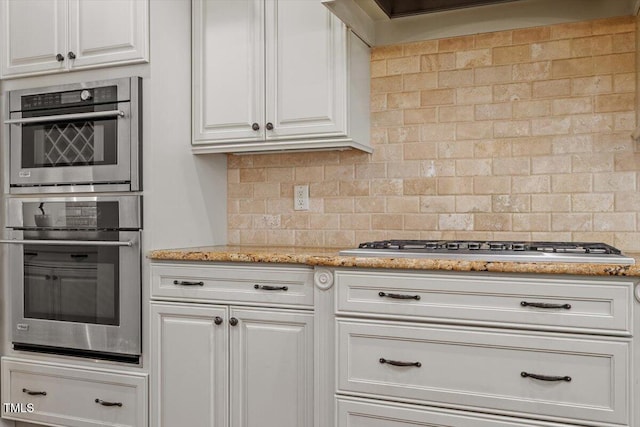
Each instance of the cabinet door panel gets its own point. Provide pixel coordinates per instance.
(28, 51)
(107, 31)
(228, 70)
(305, 55)
(271, 369)
(190, 360)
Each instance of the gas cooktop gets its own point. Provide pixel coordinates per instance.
(578, 252)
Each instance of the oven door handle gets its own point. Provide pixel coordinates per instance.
(59, 117)
(128, 243)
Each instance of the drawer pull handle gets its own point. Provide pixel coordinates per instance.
(105, 403)
(399, 296)
(544, 377)
(397, 363)
(185, 283)
(271, 288)
(34, 393)
(544, 305)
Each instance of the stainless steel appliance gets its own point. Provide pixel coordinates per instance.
(572, 252)
(74, 275)
(76, 138)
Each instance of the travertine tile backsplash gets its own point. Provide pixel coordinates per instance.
(520, 134)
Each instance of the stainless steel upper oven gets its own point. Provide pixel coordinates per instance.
(76, 138)
(74, 276)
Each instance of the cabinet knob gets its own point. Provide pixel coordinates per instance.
(255, 126)
(233, 321)
(218, 320)
(106, 403)
(59, 57)
(269, 126)
(34, 393)
(71, 55)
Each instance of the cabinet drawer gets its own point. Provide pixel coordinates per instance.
(67, 396)
(577, 304)
(488, 370)
(251, 283)
(355, 413)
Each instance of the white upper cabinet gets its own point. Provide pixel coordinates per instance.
(62, 35)
(272, 75)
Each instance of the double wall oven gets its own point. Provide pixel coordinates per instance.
(74, 219)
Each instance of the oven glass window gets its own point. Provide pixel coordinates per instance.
(72, 283)
(69, 143)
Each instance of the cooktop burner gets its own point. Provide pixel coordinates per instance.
(582, 252)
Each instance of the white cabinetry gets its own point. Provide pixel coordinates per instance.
(543, 350)
(62, 35)
(273, 75)
(242, 364)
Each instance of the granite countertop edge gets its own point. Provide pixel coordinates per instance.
(329, 257)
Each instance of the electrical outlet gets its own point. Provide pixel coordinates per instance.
(301, 197)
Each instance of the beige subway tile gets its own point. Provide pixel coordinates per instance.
(321, 221)
(233, 206)
(626, 162)
(531, 222)
(437, 204)
(616, 63)
(512, 92)
(386, 187)
(279, 206)
(618, 142)
(240, 221)
(386, 84)
(555, 49)
(592, 162)
(627, 242)
(532, 71)
(455, 44)
(575, 105)
(309, 238)
(511, 203)
(378, 68)
(591, 85)
(354, 188)
(403, 65)
(492, 222)
(529, 109)
(593, 236)
(379, 136)
(438, 131)
(419, 186)
(421, 48)
(441, 167)
(492, 75)
(402, 134)
(253, 237)
(295, 220)
(572, 67)
(404, 168)
(266, 189)
(474, 95)
(620, 24)
(495, 39)
(615, 102)
(420, 81)
(378, 102)
(266, 222)
(571, 30)
(531, 35)
(387, 153)
(473, 130)
(530, 184)
(309, 174)
(614, 181)
(473, 167)
(572, 144)
(418, 221)
(233, 176)
(625, 42)
(438, 62)
(385, 52)
(555, 164)
(534, 146)
(253, 175)
(387, 118)
(551, 202)
(370, 170)
(511, 129)
(572, 183)
(420, 151)
(340, 172)
(415, 116)
(571, 222)
(589, 46)
(473, 204)
(496, 149)
(355, 222)
(234, 162)
(233, 237)
(625, 82)
(491, 184)
(627, 201)
(455, 222)
(551, 126)
(339, 239)
(370, 235)
(387, 221)
(403, 100)
(268, 160)
(455, 149)
(370, 204)
(551, 88)
(455, 78)
(552, 236)
(595, 202)
(339, 204)
(512, 166)
(473, 58)
(403, 204)
(240, 190)
(592, 123)
(437, 97)
(455, 185)
(511, 54)
(493, 111)
(462, 113)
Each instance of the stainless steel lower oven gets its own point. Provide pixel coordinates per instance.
(74, 277)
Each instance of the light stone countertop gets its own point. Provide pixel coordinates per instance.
(329, 257)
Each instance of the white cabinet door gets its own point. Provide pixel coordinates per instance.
(271, 368)
(34, 33)
(306, 72)
(189, 365)
(228, 70)
(107, 32)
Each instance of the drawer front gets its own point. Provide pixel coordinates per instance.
(488, 370)
(571, 304)
(355, 413)
(67, 396)
(251, 283)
